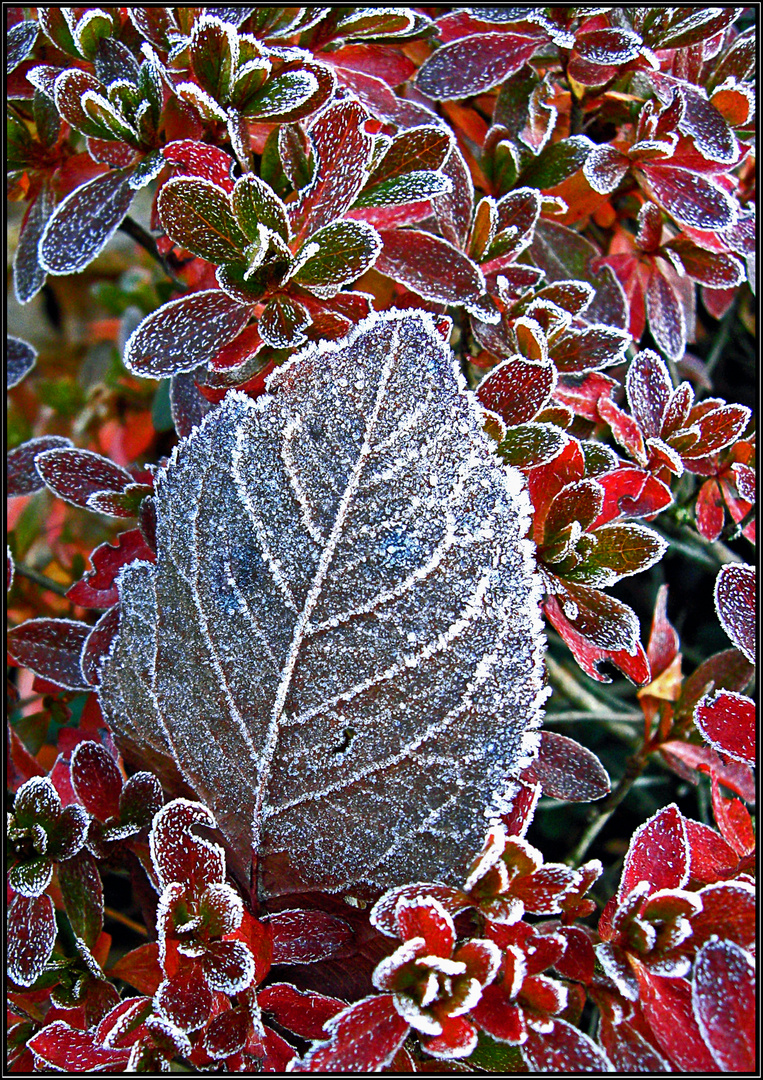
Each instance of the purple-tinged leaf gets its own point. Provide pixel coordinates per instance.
(435, 270)
(184, 333)
(650, 390)
(187, 404)
(681, 26)
(666, 316)
(82, 891)
(727, 721)
(610, 45)
(589, 349)
(96, 780)
(98, 643)
(22, 474)
(453, 210)
(604, 168)
(589, 656)
(185, 999)
(567, 770)
(658, 853)
(516, 389)
(735, 602)
(31, 937)
(306, 937)
(565, 255)
(724, 1005)
(19, 43)
(75, 475)
(141, 799)
(714, 269)
(474, 64)
(28, 274)
(303, 446)
(341, 150)
(81, 225)
(51, 649)
(689, 197)
(20, 358)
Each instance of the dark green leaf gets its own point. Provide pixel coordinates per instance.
(617, 551)
(213, 46)
(404, 189)
(283, 322)
(197, 214)
(282, 96)
(255, 203)
(531, 444)
(556, 162)
(346, 249)
(82, 891)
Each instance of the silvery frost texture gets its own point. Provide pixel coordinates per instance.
(339, 648)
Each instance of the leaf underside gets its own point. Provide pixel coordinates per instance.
(339, 647)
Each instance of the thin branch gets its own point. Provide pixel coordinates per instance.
(634, 766)
(40, 579)
(141, 236)
(117, 916)
(567, 684)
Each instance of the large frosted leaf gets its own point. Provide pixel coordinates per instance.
(339, 644)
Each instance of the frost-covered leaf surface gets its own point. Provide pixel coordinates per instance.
(339, 646)
(83, 223)
(20, 358)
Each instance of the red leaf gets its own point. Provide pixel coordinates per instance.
(563, 1049)
(523, 805)
(383, 913)
(666, 1004)
(474, 64)
(194, 158)
(379, 60)
(97, 589)
(658, 853)
(735, 776)
(457, 1039)
(96, 780)
(423, 917)
(454, 209)
(735, 594)
(31, 936)
(727, 722)
(663, 640)
(140, 968)
(689, 197)
(97, 644)
(728, 908)
(547, 480)
(517, 389)
(51, 648)
(303, 1012)
(712, 858)
(304, 937)
(74, 475)
(364, 1038)
(598, 617)
(567, 770)
(66, 1049)
(630, 492)
(733, 819)
(627, 1048)
(435, 270)
(724, 1003)
(709, 510)
(718, 427)
(341, 148)
(590, 348)
(181, 335)
(635, 667)
(582, 393)
(21, 474)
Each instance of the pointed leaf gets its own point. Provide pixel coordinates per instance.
(303, 1012)
(75, 475)
(51, 649)
(364, 1038)
(82, 891)
(567, 770)
(346, 249)
(735, 595)
(20, 359)
(307, 532)
(184, 333)
(21, 473)
(84, 222)
(474, 64)
(658, 853)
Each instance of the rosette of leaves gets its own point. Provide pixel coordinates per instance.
(284, 263)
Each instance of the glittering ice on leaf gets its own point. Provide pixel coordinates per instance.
(339, 648)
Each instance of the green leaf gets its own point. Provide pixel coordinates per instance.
(94, 25)
(283, 322)
(197, 214)
(83, 895)
(496, 1057)
(527, 445)
(617, 551)
(418, 149)
(214, 51)
(282, 95)
(404, 189)
(346, 249)
(556, 162)
(255, 203)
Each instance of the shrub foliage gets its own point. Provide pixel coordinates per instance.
(253, 198)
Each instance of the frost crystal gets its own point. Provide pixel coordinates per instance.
(339, 648)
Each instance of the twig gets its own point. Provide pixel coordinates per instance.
(40, 579)
(117, 916)
(137, 233)
(563, 681)
(634, 766)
